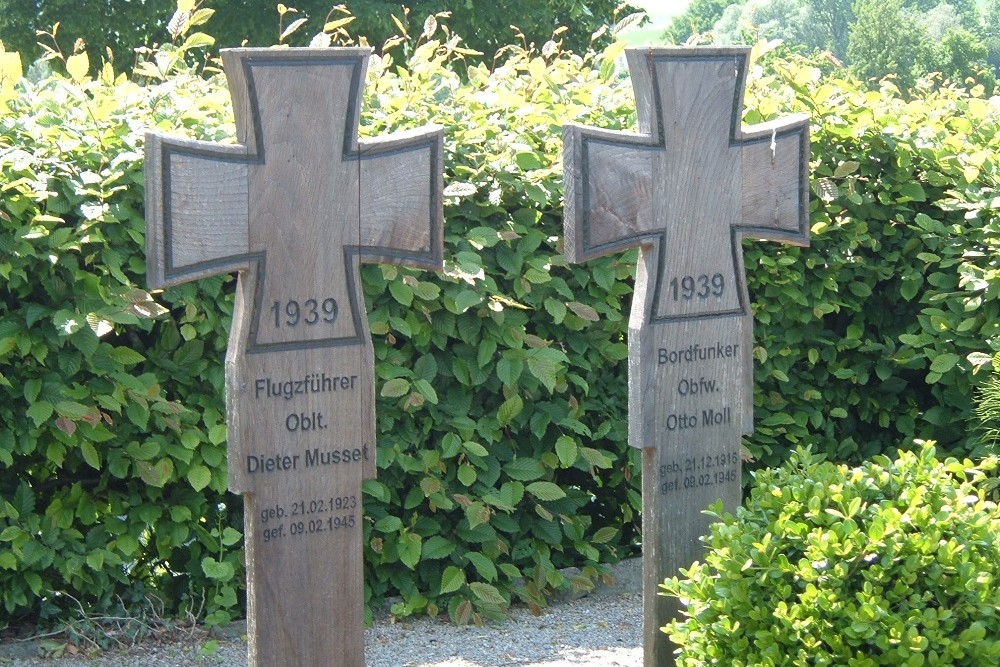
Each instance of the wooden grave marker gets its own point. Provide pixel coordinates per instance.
(294, 208)
(686, 190)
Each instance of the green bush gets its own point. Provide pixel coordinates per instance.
(515, 465)
(502, 429)
(501, 453)
(987, 409)
(896, 562)
(112, 428)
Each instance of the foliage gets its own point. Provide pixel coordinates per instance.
(832, 20)
(879, 331)
(887, 39)
(122, 25)
(502, 448)
(788, 20)
(111, 486)
(960, 54)
(892, 563)
(815, 25)
(119, 25)
(990, 30)
(987, 409)
(519, 468)
(699, 18)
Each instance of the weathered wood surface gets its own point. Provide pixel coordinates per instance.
(687, 190)
(294, 208)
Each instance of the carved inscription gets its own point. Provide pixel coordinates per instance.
(694, 372)
(291, 313)
(295, 206)
(304, 517)
(309, 517)
(702, 287)
(698, 472)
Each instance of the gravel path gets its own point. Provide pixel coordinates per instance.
(601, 630)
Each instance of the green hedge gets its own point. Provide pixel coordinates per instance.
(892, 563)
(879, 332)
(501, 455)
(502, 450)
(112, 433)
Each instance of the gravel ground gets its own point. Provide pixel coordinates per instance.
(603, 629)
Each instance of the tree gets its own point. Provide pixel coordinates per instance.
(887, 39)
(941, 20)
(990, 23)
(765, 19)
(961, 55)
(485, 28)
(699, 18)
(832, 19)
(123, 25)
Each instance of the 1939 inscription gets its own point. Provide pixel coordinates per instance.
(310, 312)
(703, 286)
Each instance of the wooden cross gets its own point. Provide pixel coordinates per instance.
(294, 208)
(686, 190)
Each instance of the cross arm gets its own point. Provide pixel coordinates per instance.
(608, 197)
(402, 214)
(196, 209)
(775, 170)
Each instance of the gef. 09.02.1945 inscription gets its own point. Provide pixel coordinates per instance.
(696, 472)
(309, 517)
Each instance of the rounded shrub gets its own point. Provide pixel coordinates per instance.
(894, 562)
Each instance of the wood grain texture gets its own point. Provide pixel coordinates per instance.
(686, 190)
(296, 207)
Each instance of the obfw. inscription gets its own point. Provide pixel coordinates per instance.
(701, 409)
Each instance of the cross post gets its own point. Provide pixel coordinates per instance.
(686, 190)
(294, 207)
